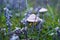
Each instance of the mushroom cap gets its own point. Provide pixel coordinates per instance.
(43, 10)
(33, 18)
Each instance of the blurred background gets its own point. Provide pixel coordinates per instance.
(18, 9)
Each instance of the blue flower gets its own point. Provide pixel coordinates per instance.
(8, 15)
(8, 23)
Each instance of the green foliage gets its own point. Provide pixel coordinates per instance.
(51, 20)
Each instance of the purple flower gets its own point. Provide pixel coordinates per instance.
(8, 15)
(8, 23)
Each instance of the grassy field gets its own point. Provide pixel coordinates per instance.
(52, 20)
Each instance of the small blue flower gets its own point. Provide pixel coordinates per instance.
(8, 15)
(8, 23)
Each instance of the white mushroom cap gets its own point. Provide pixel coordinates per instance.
(33, 18)
(43, 10)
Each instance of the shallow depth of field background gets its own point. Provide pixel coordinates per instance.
(52, 17)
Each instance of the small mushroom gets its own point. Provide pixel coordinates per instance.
(43, 10)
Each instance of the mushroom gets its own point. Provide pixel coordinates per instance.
(33, 18)
(43, 10)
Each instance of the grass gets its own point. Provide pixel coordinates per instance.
(51, 20)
